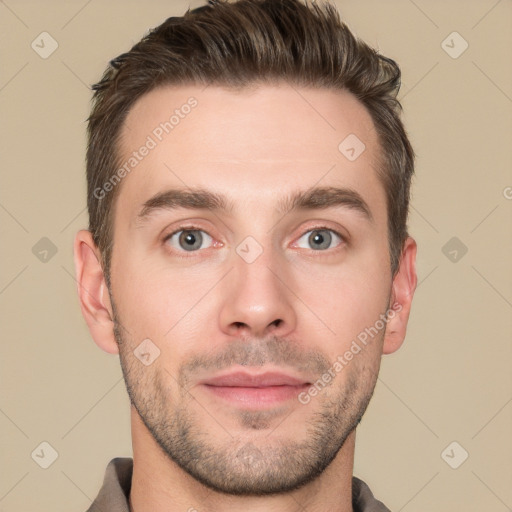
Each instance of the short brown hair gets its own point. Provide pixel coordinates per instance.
(236, 45)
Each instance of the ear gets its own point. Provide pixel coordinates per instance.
(403, 287)
(93, 292)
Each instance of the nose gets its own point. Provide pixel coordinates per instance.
(257, 299)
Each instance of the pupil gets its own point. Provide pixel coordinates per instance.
(319, 238)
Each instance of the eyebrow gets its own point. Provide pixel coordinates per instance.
(318, 198)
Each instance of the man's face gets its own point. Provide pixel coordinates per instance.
(251, 304)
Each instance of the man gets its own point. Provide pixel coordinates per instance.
(247, 255)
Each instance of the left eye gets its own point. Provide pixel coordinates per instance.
(319, 238)
(189, 239)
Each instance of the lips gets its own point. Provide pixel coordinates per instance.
(255, 391)
(247, 380)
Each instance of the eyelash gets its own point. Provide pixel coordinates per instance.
(196, 228)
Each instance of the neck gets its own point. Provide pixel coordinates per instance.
(159, 485)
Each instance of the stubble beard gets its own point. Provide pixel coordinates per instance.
(268, 464)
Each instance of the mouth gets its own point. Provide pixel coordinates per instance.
(255, 391)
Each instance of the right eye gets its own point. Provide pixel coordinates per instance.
(188, 239)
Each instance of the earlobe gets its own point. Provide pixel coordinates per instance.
(403, 287)
(93, 292)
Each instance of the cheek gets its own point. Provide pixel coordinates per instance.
(162, 303)
(348, 300)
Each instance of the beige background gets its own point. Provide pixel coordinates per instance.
(451, 381)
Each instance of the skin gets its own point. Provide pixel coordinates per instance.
(294, 309)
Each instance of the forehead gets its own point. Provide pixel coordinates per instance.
(249, 144)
